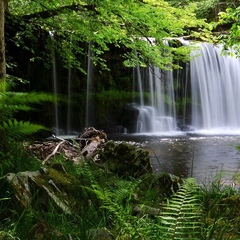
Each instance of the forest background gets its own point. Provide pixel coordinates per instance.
(40, 32)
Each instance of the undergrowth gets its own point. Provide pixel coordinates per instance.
(106, 202)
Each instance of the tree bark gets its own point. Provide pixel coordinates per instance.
(3, 6)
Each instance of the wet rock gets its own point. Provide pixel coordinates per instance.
(185, 128)
(167, 183)
(125, 159)
(130, 116)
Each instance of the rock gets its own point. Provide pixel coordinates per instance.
(167, 183)
(130, 116)
(125, 159)
(43, 230)
(29, 189)
(185, 128)
(144, 209)
(100, 234)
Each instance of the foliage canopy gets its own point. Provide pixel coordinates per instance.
(129, 24)
(231, 40)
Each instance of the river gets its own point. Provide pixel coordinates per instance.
(201, 157)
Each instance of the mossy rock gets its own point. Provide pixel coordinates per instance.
(45, 188)
(125, 159)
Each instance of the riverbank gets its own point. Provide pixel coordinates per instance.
(113, 195)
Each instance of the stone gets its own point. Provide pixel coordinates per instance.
(167, 183)
(144, 209)
(29, 189)
(130, 116)
(125, 159)
(43, 230)
(100, 234)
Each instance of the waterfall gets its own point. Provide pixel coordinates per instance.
(215, 86)
(89, 100)
(69, 110)
(210, 82)
(55, 91)
(55, 88)
(159, 115)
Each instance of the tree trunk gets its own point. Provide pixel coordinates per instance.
(3, 6)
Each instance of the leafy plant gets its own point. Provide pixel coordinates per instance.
(220, 204)
(181, 217)
(13, 130)
(230, 20)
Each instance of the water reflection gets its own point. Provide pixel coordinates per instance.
(199, 157)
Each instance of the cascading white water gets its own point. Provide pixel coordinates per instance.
(55, 89)
(55, 94)
(215, 87)
(160, 114)
(89, 106)
(215, 95)
(69, 110)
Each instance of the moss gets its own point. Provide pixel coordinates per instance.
(62, 180)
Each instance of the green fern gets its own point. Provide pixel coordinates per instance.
(116, 200)
(181, 217)
(18, 129)
(12, 102)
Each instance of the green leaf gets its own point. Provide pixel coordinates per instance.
(18, 130)
(180, 218)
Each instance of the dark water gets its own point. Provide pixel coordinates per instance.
(201, 157)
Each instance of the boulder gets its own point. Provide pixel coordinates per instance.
(168, 184)
(125, 159)
(32, 189)
(130, 116)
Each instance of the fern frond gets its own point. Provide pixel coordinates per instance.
(181, 217)
(26, 98)
(11, 102)
(19, 129)
(14, 107)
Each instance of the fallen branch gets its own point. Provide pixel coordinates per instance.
(53, 153)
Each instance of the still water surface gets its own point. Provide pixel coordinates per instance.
(201, 157)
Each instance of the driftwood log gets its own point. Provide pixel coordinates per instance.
(91, 142)
(87, 145)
